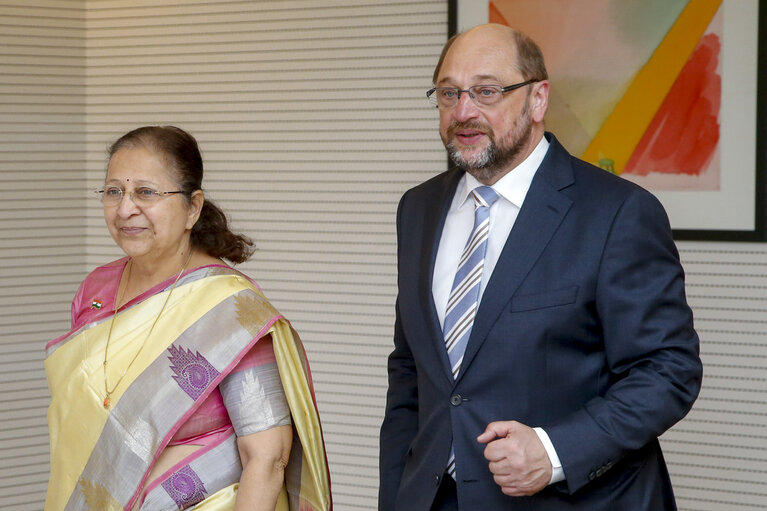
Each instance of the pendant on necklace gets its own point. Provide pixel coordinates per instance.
(106, 402)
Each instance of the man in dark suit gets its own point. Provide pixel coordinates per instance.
(579, 346)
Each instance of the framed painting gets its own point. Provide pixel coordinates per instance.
(669, 94)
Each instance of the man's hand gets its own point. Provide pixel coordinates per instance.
(518, 460)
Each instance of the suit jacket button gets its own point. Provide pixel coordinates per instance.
(436, 480)
(455, 400)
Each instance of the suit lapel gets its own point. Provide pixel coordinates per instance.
(542, 212)
(434, 221)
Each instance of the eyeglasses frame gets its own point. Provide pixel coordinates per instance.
(504, 90)
(132, 194)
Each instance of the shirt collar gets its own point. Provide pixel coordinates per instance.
(513, 186)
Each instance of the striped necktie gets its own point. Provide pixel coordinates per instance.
(464, 296)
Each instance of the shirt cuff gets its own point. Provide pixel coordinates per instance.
(557, 472)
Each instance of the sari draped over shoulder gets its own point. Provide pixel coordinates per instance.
(101, 457)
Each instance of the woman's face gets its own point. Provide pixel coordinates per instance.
(159, 230)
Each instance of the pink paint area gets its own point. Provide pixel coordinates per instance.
(683, 137)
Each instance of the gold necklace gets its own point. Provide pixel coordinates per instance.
(107, 400)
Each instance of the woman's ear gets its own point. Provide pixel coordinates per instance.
(195, 208)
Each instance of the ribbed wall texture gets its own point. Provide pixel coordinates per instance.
(42, 233)
(312, 119)
(312, 122)
(717, 456)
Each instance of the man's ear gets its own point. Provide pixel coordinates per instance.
(539, 100)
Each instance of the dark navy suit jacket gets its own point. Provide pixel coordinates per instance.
(583, 330)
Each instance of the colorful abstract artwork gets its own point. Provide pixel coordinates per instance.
(635, 84)
(661, 92)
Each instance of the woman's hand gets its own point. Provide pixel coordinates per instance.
(264, 456)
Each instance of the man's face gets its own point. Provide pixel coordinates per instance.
(486, 141)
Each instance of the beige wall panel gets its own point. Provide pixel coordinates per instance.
(312, 120)
(718, 455)
(42, 236)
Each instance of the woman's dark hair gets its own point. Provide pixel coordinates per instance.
(179, 149)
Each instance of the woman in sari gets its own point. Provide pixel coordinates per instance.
(179, 386)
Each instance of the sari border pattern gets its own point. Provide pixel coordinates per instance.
(151, 409)
(192, 372)
(185, 487)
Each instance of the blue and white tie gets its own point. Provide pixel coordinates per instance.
(464, 296)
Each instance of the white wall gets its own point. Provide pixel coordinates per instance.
(312, 120)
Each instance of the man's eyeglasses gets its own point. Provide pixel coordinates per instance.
(482, 95)
(141, 196)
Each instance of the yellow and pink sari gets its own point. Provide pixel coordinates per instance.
(101, 458)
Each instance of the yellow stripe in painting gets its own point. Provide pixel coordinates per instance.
(625, 126)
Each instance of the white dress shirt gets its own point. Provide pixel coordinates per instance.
(512, 189)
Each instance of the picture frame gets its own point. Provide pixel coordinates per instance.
(735, 208)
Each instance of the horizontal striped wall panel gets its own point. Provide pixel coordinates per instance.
(42, 235)
(312, 120)
(718, 455)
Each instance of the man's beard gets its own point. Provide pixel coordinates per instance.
(494, 158)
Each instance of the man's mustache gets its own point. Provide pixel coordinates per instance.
(471, 125)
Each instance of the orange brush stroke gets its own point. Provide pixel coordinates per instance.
(623, 129)
(495, 16)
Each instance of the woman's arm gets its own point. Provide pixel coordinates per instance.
(264, 456)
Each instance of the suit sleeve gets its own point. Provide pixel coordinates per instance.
(651, 348)
(400, 423)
